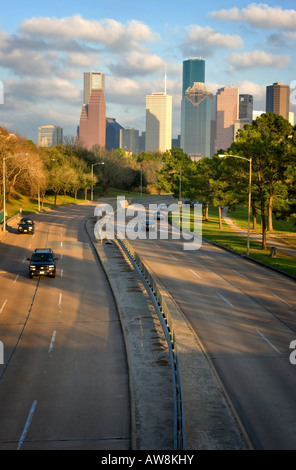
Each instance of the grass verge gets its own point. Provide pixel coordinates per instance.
(228, 238)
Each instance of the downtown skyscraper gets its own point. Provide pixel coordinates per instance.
(158, 122)
(196, 110)
(227, 113)
(91, 131)
(278, 99)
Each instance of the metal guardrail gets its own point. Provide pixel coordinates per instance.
(154, 290)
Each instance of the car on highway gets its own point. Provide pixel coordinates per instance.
(162, 206)
(159, 215)
(42, 263)
(148, 225)
(26, 225)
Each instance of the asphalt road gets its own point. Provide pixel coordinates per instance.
(64, 382)
(245, 316)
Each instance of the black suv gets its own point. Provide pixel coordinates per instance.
(42, 263)
(26, 225)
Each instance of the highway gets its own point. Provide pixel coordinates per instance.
(245, 316)
(64, 383)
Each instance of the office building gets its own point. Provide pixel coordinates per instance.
(193, 71)
(245, 113)
(278, 99)
(142, 140)
(49, 136)
(92, 81)
(227, 112)
(158, 122)
(196, 110)
(112, 134)
(129, 140)
(246, 107)
(91, 131)
(196, 116)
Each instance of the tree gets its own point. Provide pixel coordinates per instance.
(268, 141)
(174, 172)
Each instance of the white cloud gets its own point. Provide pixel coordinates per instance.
(138, 63)
(32, 89)
(257, 59)
(205, 41)
(259, 15)
(108, 32)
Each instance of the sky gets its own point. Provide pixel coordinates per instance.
(45, 47)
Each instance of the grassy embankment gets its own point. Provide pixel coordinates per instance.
(29, 205)
(284, 232)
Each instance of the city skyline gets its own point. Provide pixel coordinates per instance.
(46, 49)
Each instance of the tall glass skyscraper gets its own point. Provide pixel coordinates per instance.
(193, 71)
(196, 116)
(196, 110)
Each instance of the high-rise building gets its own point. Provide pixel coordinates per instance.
(196, 116)
(112, 134)
(227, 112)
(92, 81)
(158, 122)
(48, 136)
(193, 71)
(196, 110)
(91, 131)
(245, 112)
(129, 139)
(277, 99)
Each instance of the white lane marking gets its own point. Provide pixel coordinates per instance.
(156, 245)
(225, 300)
(60, 300)
(281, 299)
(30, 246)
(173, 257)
(61, 256)
(52, 341)
(3, 305)
(193, 272)
(16, 278)
(27, 425)
(61, 244)
(268, 342)
(240, 274)
(25, 258)
(207, 256)
(61, 272)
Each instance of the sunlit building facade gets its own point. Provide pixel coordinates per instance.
(91, 131)
(159, 111)
(49, 136)
(227, 112)
(278, 99)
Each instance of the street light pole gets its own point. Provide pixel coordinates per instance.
(249, 205)
(180, 184)
(4, 187)
(92, 175)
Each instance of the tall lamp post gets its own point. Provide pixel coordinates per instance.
(4, 186)
(249, 206)
(92, 175)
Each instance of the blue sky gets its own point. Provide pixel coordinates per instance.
(46, 46)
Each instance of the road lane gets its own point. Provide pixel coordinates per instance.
(63, 345)
(244, 315)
